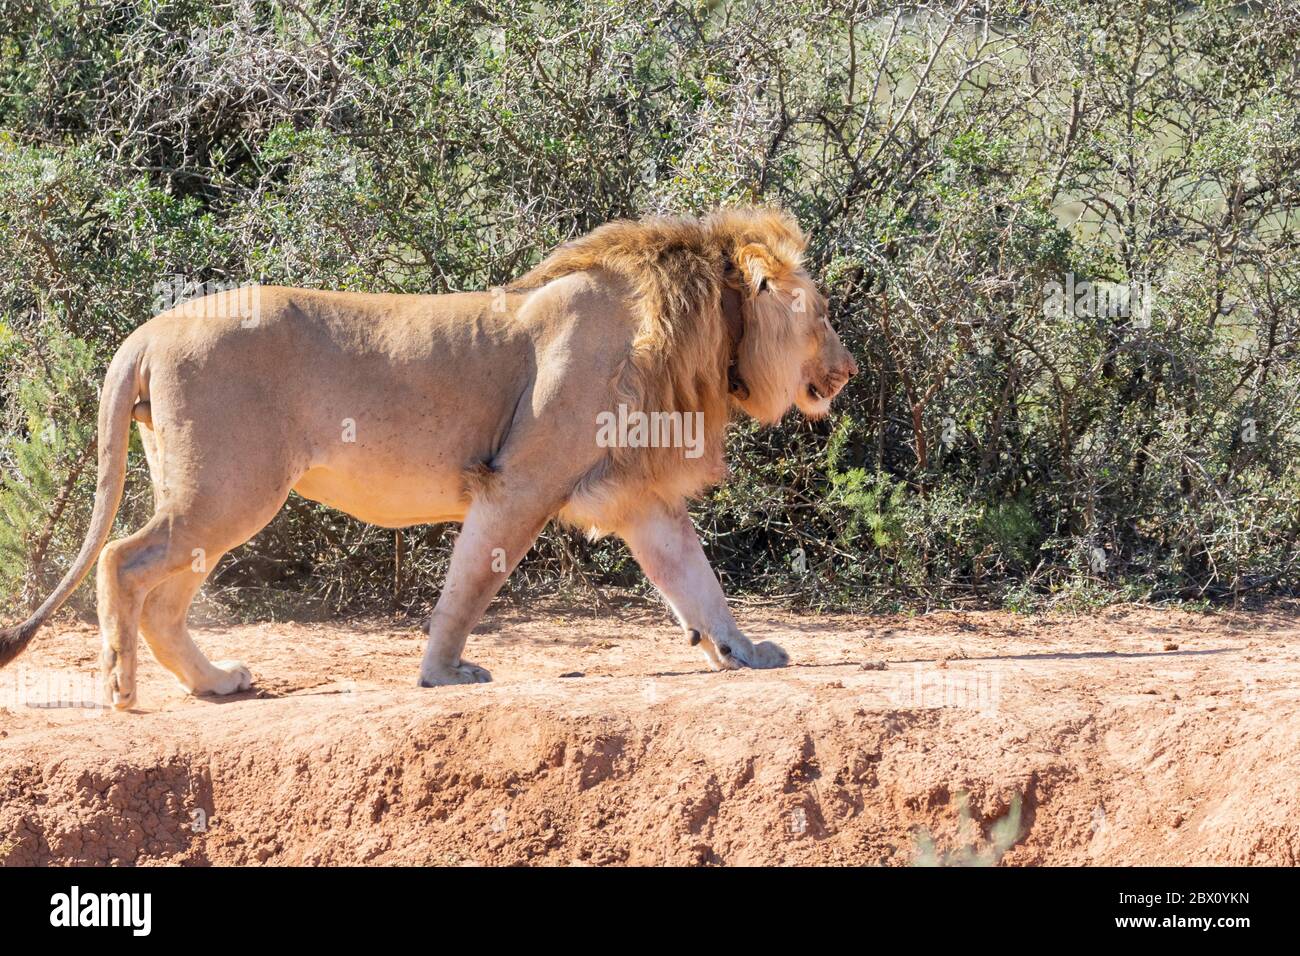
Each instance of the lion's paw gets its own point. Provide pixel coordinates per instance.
(761, 656)
(120, 700)
(462, 673)
(767, 654)
(228, 677)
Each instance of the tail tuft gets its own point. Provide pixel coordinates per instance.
(14, 639)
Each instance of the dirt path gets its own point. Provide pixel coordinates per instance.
(1130, 736)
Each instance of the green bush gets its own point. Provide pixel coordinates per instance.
(959, 167)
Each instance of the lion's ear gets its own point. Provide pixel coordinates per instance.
(757, 266)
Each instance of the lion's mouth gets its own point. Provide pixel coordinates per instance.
(821, 384)
(815, 400)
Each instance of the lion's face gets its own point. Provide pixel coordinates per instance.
(791, 356)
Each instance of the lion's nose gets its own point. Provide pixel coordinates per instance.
(845, 368)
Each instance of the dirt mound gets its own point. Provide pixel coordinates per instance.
(1135, 736)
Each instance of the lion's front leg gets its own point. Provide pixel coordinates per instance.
(665, 544)
(493, 539)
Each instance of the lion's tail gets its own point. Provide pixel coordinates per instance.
(121, 388)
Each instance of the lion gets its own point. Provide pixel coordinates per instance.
(479, 408)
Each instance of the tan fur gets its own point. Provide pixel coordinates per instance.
(470, 407)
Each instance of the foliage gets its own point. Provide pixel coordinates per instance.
(960, 166)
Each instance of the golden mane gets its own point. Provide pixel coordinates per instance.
(677, 267)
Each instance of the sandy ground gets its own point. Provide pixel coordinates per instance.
(1131, 736)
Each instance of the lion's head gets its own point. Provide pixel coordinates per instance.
(787, 354)
(728, 320)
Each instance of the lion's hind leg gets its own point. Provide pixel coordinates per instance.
(163, 624)
(128, 570)
(182, 541)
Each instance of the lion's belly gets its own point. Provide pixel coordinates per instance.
(391, 500)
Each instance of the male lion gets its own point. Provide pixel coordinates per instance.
(480, 408)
